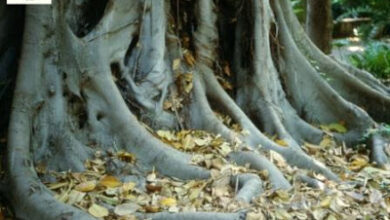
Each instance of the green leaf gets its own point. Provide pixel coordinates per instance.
(335, 127)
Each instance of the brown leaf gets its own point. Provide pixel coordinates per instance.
(153, 188)
(151, 208)
(190, 60)
(226, 69)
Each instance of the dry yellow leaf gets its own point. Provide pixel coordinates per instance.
(283, 194)
(327, 142)
(325, 203)
(186, 81)
(194, 193)
(176, 64)
(358, 163)
(277, 158)
(255, 216)
(128, 186)
(201, 142)
(334, 127)
(331, 217)
(110, 181)
(169, 136)
(54, 186)
(98, 211)
(281, 142)
(86, 186)
(168, 201)
(188, 142)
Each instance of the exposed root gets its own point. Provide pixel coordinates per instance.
(316, 184)
(317, 95)
(366, 77)
(380, 148)
(259, 162)
(249, 186)
(194, 216)
(293, 154)
(362, 90)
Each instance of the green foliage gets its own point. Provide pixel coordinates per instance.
(341, 42)
(383, 130)
(375, 59)
(377, 10)
(299, 9)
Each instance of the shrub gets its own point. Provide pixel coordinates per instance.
(375, 59)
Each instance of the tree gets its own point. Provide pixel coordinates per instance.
(90, 71)
(319, 23)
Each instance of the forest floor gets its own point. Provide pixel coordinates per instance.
(363, 194)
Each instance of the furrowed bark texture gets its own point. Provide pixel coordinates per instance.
(91, 71)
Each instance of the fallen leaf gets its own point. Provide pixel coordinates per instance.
(335, 127)
(169, 136)
(375, 196)
(110, 181)
(281, 142)
(168, 202)
(190, 60)
(255, 216)
(128, 186)
(226, 69)
(86, 186)
(98, 211)
(151, 208)
(126, 156)
(54, 186)
(283, 194)
(153, 188)
(75, 197)
(358, 163)
(176, 64)
(126, 209)
(325, 203)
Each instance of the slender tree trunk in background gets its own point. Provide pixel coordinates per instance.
(319, 23)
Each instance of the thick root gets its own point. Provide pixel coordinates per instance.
(259, 162)
(194, 216)
(380, 148)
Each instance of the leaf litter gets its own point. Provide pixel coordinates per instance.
(363, 194)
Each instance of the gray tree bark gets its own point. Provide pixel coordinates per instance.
(90, 70)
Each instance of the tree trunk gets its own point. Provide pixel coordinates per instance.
(319, 23)
(91, 71)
